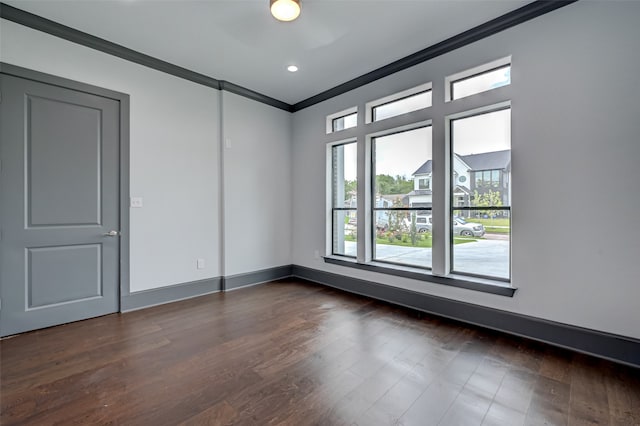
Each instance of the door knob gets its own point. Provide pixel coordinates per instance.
(111, 234)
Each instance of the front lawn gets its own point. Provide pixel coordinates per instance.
(499, 221)
(493, 226)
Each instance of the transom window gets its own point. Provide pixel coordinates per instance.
(345, 122)
(481, 82)
(479, 79)
(342, 120)
(402, 106)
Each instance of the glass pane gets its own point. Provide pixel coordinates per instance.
(481, 241)
(345, 122)
(404, 237)
(402, 106)
(482, 156)
(400, 160)
(344, 177)
(344, 232)
(481, 82)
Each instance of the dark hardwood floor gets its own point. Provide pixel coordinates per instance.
(295, 353)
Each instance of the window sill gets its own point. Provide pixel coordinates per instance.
(470, 283)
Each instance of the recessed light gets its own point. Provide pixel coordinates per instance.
(292, 68)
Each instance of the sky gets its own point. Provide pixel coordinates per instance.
(403, 153)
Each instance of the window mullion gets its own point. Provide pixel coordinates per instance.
(440, 184)
(365, 224)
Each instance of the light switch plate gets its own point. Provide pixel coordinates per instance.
(200, 264)
(136, 202)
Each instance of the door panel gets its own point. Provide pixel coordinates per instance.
(50, 282)
(62, 195)
(59, 195)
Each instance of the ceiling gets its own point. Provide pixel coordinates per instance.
(332, 42)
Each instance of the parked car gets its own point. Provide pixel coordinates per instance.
(460, 226)
(467, 229)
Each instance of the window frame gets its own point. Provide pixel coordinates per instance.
(450, 143)
(330, 193)
(474, 72)
(395, 97)
(331, 118)
(372, 188)
(437, 116)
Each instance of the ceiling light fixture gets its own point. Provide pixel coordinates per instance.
(292, 68)
(285, 10)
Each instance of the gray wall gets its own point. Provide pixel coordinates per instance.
(257, 185)
(575, 159)
(177, 165)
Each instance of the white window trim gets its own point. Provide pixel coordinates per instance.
(480, 69)
(450, 197)
(339, 114)
(365, 213)
(369, 106)
(438, 117)
(329, 192)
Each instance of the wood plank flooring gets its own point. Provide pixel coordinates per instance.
(296, 353)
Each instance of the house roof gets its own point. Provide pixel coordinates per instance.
(488, 160)
(420, 192)
(424, 169)
(485, 161)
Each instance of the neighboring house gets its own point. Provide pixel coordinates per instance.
(489, 171)
(421, 194)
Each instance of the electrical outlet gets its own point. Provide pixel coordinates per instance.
(200, 264)
(136, 202)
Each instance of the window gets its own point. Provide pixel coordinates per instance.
(479, 79)
(435, 184)
(404, 102)
(402, 230)
(481, 82)
(344, 122)
(344, 199)
(402, 106)
(487, 179)
(480, 215)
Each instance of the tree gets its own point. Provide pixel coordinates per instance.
(350, 186)
(487, 199)
(387, 185)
